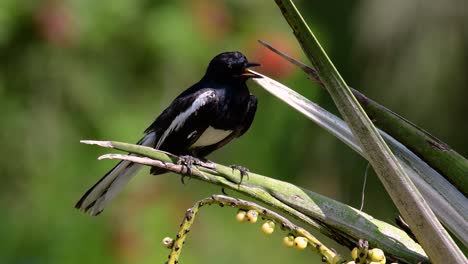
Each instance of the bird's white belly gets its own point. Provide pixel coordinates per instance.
(211, 136)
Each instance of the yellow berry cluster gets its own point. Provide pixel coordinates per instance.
(268, 228)
(250, 216)
(296, 242)
(374, 256)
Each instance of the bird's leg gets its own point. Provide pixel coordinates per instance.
(188, 161)
(242, 170)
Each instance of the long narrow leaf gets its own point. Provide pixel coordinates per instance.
(437, 154)
(443, 198)
(449, 204)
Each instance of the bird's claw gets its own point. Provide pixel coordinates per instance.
(188, 161)
(244, 172)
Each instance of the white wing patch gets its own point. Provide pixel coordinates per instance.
(211, 136)
(201, 100)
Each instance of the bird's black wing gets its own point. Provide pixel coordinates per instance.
(239, 131)
(179, 125)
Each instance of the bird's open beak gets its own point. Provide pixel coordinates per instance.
(249, 74)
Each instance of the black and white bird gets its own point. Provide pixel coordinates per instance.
(203, 118)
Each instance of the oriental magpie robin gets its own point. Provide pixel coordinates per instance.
(203, 118)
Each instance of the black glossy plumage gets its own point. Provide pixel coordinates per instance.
(232, 108)
(220, 104)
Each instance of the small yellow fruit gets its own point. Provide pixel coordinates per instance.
(252, 216)
(168, 242)
(300, 243)
(354, 253)
(268, 227)
(288, 241)
(377, 255)
(241, 216)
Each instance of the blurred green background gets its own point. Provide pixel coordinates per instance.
(82, 69)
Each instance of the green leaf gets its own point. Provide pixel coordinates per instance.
(435, 240)
(448, 203)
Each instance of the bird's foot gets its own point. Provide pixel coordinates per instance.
(188, 161)
(244, 172)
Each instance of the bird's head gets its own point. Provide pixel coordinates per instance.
(231, 66)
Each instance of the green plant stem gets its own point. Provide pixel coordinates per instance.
(435, 240)
(339, 221)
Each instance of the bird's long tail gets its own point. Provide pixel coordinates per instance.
(96, 198)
